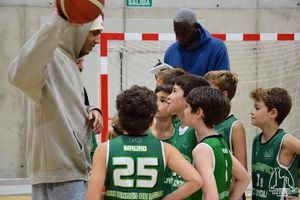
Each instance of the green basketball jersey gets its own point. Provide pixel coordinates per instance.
(135, 168)
(222, 166)
(225, 129)
(166, 187)
(175, 121)
(271, 180)
(184, 139)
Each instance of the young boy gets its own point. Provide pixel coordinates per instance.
(165, 77)
(231, 128)
(275, 154)
(206, 107)
(162, 128)
(184, 138)
(132, 165)
(116, 128)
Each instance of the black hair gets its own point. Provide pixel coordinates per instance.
(188, 82)
(215, 105)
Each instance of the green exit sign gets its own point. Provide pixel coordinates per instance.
(138, 3)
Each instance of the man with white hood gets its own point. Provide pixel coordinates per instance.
(59, 124)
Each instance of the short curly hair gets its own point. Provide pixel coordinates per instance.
(215, 105)
(275, 97)
(136, 109)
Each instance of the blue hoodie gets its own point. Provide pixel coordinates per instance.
(208, 54)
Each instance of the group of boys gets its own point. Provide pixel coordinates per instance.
(141, 164)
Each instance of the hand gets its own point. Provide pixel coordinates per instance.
(97, 121)
(79, 63)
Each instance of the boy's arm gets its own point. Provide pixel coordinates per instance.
(183, 168)
(203, 161)
(239, 146)
(292, 144)
(241, 178)
(98, 174)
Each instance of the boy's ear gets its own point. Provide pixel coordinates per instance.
(225, 93)
(273, 112)
(199, 112)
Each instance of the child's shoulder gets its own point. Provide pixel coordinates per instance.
(231, 117)
(290, 141)
(211, 142)
(201, 148)
(227, 123)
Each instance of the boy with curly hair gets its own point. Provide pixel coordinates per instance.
(132, 165)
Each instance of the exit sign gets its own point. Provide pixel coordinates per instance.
(138, 3)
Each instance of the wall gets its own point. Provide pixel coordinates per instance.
(18, 21)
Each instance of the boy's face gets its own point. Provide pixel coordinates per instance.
(162, 104)
(176, 100)
(260, 116)
(190, 119)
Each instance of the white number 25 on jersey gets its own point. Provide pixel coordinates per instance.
(140, 170)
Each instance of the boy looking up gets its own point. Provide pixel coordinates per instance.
(206, 107)
(132, 165)
(275, 154)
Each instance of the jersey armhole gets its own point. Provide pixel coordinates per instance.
(277, 158)
(163, 153)
(107, 152)
(230, 136)
(213, 155)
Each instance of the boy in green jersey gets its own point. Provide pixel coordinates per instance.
(275, 154)
(207, 106)
(132, 165)
(163, 127)
(184, 138)
(231, 128)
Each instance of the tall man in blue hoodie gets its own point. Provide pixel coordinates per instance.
(195, 50)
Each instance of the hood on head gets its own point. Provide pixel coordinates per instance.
(97, 24)
(74, 38)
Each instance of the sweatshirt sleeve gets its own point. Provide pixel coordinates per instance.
(166, 57)
(28, 70)
(222, 61)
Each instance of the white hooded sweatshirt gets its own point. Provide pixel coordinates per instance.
(58, 133)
